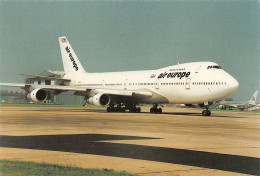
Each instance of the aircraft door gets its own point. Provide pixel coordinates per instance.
(187, 83)
(125, 84)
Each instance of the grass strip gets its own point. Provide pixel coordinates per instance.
(235, 111)
(45, 105)
(20, 168)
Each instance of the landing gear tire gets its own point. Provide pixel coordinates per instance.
(138, 110)
(156, 110)
(135, 110)
(115, 109)
(206, 112)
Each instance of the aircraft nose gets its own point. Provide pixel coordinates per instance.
(233, 86)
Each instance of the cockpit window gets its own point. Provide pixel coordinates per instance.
(214, 67)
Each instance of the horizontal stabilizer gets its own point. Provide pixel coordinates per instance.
(47, 77)
(57, 72)
(13, 85)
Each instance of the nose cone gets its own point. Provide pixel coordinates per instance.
(236, 84)
(233, 86)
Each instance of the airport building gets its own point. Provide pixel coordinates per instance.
(11, 96)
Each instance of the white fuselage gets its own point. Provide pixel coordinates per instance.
(188, 83)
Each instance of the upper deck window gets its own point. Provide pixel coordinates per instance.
(214, 67)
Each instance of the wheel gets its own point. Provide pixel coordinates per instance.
(138, 109)
(160, 110)
(206, 112)
(134, 110)
(152, 110)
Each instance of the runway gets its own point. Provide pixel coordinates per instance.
(177, 142)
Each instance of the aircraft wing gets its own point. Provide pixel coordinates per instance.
(140, 93)
(98, 90)
(119, 92)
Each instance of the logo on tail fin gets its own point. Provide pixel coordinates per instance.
(72, 59)
(253, 99)
(63, 40)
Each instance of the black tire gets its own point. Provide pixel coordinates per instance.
(152, 110)
(160, 110)
(138, 109)
(206, 112)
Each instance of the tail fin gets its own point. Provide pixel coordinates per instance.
(252, 100)
(70, 60)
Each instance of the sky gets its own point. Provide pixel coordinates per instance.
(132, 35)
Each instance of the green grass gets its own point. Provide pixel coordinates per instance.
(44, 105)
(19, 168)
(36, 105)
(235, 111)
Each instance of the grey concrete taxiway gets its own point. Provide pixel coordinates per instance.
(177, 142)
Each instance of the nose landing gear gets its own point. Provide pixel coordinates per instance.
(206, 112)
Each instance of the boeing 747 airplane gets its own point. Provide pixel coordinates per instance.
(189, 83)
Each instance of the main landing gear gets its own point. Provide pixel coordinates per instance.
(132, 107)
(119, 108)
(155, 110)
(135, 110)
(206, 112)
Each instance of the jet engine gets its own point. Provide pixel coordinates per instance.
(99, 100)
(37, 95)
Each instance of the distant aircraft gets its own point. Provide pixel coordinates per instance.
(254, 108)
(196, 82)
(241, 106)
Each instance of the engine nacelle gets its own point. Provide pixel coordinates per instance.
(99, 100)
(37, 95)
